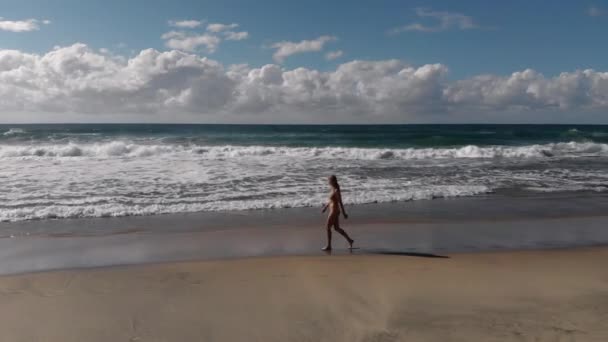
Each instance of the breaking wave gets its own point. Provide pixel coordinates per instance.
(98, 171)
(13, 131)
(104, 209)
(133, 150)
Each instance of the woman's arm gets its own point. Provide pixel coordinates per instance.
(342, 205)
(325, 207)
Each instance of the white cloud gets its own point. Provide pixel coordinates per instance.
(445, 21)
(26, 25)
(185, 23)
(330, 56)
(285, 49)
(191, 42)
(236, 35)
(78, 79)
(173, 34)
(595, 11)
(227, 30)
(216, 27)
(530, 90)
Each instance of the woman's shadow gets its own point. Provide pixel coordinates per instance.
(392, 252)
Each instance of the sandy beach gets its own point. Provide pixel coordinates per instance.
(517, 269)
(303, 171)
(550, 295)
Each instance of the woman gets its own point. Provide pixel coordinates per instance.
(333, 220)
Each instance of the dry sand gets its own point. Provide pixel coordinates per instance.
(559, 295)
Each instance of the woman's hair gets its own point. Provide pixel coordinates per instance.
(333, 180)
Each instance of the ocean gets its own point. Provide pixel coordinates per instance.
(109, 170)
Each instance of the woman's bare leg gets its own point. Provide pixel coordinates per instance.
(343, 232)
(330, 222)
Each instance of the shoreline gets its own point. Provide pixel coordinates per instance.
(503, 296)
(31, 254)
(498, 206)
(432, 227)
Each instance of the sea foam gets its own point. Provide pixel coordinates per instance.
(124, 177)
(130, 149)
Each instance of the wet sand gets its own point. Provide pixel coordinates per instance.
(474, 224)
(551, 295)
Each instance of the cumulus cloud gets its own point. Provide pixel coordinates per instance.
(285, 49)
(444, 21)
(217, 27)
(26, 25)
(227, 30)
(190, 41)
(185, 23)
(530, 90)
(78, 79)
(236, 35)
(330, 56)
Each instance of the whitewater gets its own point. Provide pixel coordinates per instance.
(55, 172)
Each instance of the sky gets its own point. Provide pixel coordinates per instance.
(383, 61)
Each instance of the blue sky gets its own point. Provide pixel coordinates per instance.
(547, 36)
(500, 38)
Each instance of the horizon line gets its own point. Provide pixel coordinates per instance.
(298, 124)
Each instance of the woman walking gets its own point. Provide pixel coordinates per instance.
(335, 207)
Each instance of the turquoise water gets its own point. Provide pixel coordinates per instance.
(99, 170)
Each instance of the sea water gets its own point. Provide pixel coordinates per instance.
(109, 170)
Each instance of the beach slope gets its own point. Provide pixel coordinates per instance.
(554, 295)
